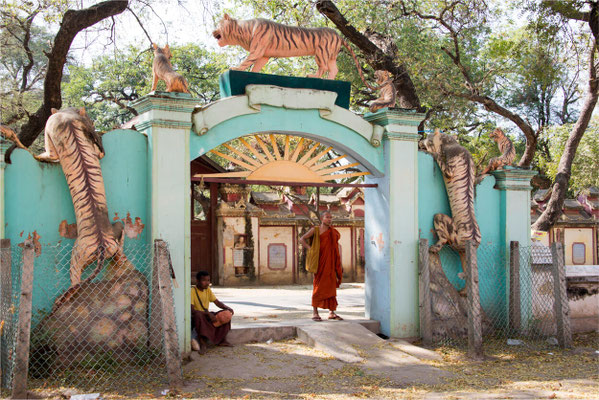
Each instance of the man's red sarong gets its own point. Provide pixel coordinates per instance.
(328, 277)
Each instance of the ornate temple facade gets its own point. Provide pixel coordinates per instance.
(577, 228)
(258, 234)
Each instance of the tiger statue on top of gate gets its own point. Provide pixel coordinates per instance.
(265, 39)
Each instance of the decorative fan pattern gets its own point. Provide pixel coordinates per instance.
(260, 162)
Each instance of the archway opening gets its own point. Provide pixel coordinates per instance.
(270, 190)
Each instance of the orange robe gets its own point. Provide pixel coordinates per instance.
(328, 277)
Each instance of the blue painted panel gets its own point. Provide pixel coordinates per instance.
(432, 199)
(377, 252)
(306, 123)
(38, 199)
(125, 171)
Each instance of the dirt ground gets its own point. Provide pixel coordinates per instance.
(291, 370)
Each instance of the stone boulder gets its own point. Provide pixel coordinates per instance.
(105, 317)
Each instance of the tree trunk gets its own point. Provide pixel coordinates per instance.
(564, 169)
(375, 56)
(73, 22)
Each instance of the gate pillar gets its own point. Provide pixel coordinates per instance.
(165, 118)
(514, 213)
(391, 222)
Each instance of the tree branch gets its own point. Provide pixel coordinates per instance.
(376, 57)
(73, 22)
(564, 170)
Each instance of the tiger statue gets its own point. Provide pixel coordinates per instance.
(265, 39)
(508, 152)
(388, 93)
(70, 138)
(163, 70)
(457, 167)
(11, 136)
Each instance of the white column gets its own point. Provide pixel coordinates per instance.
(391, 223)
(166, 120)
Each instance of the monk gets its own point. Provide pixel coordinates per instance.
(328, 276)
(202, 319)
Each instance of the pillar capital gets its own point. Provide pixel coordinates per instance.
(399, 124)
(513, 178)
(165, 110)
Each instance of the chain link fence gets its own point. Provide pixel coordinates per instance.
(10, 281)
(516, 297)
(107, 334)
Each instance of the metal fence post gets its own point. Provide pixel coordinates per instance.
(169, 327)
(560, 297)
(426, 329)
(475, 341)
(514, 307)
(19, 387)
(5, 293)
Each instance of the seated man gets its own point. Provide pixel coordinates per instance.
(202, 319)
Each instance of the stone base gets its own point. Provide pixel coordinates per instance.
(103, 318)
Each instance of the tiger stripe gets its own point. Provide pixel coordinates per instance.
(267, 39)
(71, 139)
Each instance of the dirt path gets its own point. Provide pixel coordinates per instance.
(292, 370)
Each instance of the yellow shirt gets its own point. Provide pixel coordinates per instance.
(204, 296)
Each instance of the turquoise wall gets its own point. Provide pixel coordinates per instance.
(38, 199)
(432, 199)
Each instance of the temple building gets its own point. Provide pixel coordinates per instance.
(258, 234)
(577, 228)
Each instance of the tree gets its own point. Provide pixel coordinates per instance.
(585, 166)
(564, 170)
(73, 21)
(22, 65)
(107, 85)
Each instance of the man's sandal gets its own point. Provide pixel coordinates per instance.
(336, 317)
(316, 318)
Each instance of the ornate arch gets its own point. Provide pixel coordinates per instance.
(298, 112)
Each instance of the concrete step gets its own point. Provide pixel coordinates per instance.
(353, 343)
(262, 332)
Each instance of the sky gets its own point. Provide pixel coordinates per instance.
(172, 22)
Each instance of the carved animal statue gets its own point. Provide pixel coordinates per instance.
(163, 70)
(265, 39)
(70, 139)
(10, 135)
(508, 152)
(387, 94)
(457, 167)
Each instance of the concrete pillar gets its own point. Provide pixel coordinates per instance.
(391, 222)
(166, 119)
(514, 217)
(514, 184)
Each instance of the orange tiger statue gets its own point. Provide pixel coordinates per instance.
(508, 152)
(10, 135)
(70, 138)
(163, 70)
(387, 94)
(265, 39)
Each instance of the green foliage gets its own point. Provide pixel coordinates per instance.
(112, 81)
(585, 167)
(21, 91)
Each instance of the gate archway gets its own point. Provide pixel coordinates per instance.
(384, 144)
